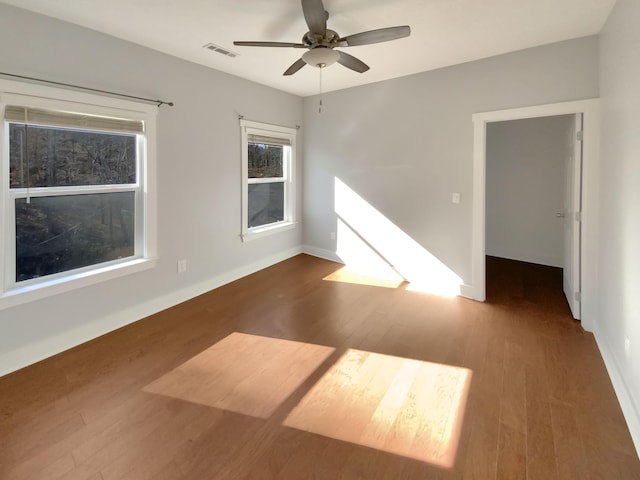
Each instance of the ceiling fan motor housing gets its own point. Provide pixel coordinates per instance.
(330, 39)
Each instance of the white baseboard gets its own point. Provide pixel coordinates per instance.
(630, 409)
(321, 253)
(548, 260)
(37, 351)
(467, 291)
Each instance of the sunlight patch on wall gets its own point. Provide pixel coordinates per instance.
(362, 264)
(242, 373)
(397, 405)
(379, 237)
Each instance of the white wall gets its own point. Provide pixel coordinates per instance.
(198, 178)
(525, 187)
(619, 256)
(406, 144)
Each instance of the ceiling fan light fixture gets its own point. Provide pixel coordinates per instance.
(321, 57)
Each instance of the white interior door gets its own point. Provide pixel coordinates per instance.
(572, 218)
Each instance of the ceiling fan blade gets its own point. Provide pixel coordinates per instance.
(295, 67)
(315, 16)
(269, 44)
(352, 62)
(376, 36)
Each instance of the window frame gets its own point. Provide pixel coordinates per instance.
(288, 178)
(145, 240)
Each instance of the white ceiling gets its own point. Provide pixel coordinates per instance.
(444, 32)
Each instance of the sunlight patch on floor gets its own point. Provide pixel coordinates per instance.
(398, 405)
(349, 274)
(243, 373)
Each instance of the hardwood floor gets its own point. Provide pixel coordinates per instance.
(284, 375)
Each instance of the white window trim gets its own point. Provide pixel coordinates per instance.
(264, 129)
(39, 96)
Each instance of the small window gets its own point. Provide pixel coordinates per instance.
(268, 159)
(74, 204)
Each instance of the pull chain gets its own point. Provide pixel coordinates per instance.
(320, 104)
(26, 154)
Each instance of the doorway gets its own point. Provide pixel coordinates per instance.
(587, 217)
(533, 184)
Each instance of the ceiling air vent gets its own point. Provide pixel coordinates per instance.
(216, 48)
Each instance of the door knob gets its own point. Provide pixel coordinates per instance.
(560, 215)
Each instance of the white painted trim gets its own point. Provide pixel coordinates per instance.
(630, 409)
(591, 157)
(27, 94)
(34, 352)
(478, 210)
(466, 291)
(60, 283)
(263, 231)
(289, 163)
(516, 254)
(322, 253)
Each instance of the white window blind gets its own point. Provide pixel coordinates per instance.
(37, 116)
(265, 140)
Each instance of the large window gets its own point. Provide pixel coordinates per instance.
(268, 195)
(76, 188)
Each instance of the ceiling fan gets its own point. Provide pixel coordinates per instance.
(321, 41)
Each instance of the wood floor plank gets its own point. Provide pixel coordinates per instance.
(513, 402)
(512, 446)
(177, 432)
(285, 374)
(540, 438)
(512, 453)
(35, 438)
(570, 452)
(481, 456)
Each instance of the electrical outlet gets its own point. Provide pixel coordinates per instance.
(455, 197)
(627, 346)
(182, 266)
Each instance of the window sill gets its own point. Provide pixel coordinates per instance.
(37, 291)
(267, 230)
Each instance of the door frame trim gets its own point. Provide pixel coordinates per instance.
(590, 109)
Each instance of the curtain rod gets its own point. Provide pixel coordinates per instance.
(159, 103)
(241, 117)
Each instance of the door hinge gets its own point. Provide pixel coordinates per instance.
(577, 296)
(578, 216)
(579, 135)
